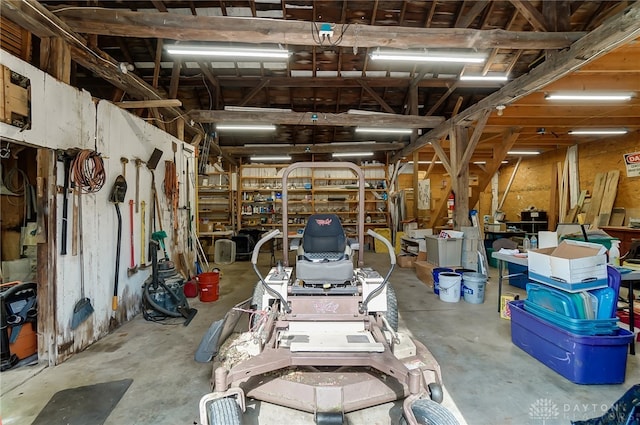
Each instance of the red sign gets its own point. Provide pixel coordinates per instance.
(632, 161)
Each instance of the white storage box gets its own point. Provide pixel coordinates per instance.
(444, 252)
(572, 266)
(225, 251)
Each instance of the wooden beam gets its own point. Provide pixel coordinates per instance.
(124, 23)
(467, 19)
(175, 78)
(624, 28)
(473, 142)
(318, 148)
(158, 103)
(500, 150)
(531, 14)
(55, 58)
(460, 180)
(264, 83)
(156, 63)
(552, 215)
(506, 190)
(304, 118)
(377, 97)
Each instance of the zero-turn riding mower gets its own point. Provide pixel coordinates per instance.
(323, 335)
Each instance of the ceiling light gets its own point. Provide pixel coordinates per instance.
(351, 154)
(426, 56)
(381, 130)
(364, 142)
(267, 145)
(424, 162)
(480, 162)
(270, 158)
(500, 109)
(483, 78)
(599, 132)
(523, 153)
(230, 52)
(593, 96)
(245, 127)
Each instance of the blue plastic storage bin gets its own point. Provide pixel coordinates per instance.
(581, 359)
(521, 280)
(576, 326)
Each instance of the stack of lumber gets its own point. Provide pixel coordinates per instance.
(599, 211)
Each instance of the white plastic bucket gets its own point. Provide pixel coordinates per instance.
(450, 287)
(474, 284)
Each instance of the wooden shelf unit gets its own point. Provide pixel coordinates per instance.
(310, 191)
(215, 202)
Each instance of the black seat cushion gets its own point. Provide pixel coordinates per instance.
(324, 233)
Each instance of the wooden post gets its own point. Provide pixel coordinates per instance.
(55, 58)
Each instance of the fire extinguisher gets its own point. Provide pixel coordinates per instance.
(451, 203)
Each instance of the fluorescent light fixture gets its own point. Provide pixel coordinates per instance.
(351, 154)
(382, 130)
(480, 162)
(227, 52)
(245, 127)
(427, 56)
(504, 162)
(599, 132)
(593, 96)
(483, 78)
(270, 158)
(424, 162)
(364, 142)
(523, 153)
(267, 145)
(255, 109)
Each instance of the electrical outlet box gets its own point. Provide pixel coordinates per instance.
(326, 30)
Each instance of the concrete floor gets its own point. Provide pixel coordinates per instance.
(488, 380)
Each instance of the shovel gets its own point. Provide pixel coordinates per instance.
(83, 308)
(118, 193)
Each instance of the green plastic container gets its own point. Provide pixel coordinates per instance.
(602, 240)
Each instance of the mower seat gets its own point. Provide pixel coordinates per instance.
(324, 254)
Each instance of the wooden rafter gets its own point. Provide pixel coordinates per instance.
(295, 118)
(257, 30)
(611, 34)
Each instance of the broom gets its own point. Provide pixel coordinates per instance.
(83, 308)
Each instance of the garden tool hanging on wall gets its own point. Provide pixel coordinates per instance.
(117, 196)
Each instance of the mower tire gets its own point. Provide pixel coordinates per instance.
(224, 411)
(392, 308)
(428, 412)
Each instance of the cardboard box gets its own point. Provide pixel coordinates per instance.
(406, 261)
(206, 227)
(572, 266)
(422, 256)
(495, 227)
(424, 271)
(505, 309)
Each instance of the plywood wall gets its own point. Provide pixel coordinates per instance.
(531, 187)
